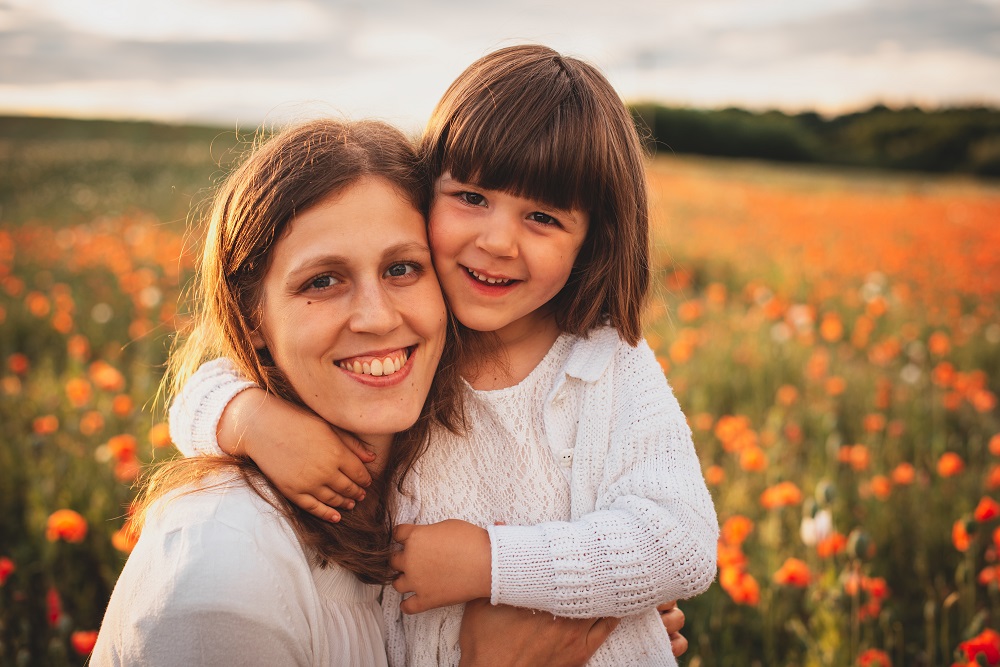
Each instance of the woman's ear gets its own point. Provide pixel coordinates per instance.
(257, 340)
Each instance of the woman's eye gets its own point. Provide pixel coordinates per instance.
(542, 218)
(322, 282)
(472, 198)
(401, 269)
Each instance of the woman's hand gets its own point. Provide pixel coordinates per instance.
(495, 636)
(441, 564)
(312, 464)
(673, 622)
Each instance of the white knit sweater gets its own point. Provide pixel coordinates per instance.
(588, 461)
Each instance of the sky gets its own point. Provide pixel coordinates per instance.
(245, 62)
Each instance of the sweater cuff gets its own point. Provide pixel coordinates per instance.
(196, 412)
(533, 566)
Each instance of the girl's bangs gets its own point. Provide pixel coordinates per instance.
(538, 150)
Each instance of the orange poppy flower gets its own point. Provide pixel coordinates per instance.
(985, 644)
(159, 435)
(122, 405)
(793, 572)
(66, 525)
(45, 425)
(960, 536)
(986, 509)
(753, 459)
(881, 487)
(715, 475)
(106, 376)
(903, 474)
(736, 529)
(950, 464)
(831, 545)
(874, 658)
(83, 641)
(18, 363)
(781, 494)
(78, 391)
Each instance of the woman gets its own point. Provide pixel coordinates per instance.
(315, 270)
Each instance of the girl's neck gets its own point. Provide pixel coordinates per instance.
(519, 350)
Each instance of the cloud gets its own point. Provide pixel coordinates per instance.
(396, 57)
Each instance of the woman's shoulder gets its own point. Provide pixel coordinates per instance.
(221, 531)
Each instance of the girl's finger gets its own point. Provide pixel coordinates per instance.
(402, 584)
(411, 605)
(343, 485)
(358, 448)
(402, 532)
(329, 497)
(396, 561)
(678, 644)
(313, 505)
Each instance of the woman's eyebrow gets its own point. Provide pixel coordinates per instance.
(330, 260)
(406, 248)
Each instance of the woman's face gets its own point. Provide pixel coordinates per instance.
(352, 313)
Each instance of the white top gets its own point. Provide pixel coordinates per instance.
(218, 577)
(595, 420)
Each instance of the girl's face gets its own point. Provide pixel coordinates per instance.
(501, 258)
(352, 312)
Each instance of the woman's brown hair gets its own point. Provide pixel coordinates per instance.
(287, 175)
(531, 122)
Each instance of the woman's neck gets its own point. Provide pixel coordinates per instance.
(518, 352)
(379, 444)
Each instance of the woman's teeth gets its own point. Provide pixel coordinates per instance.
(376, 367)
(491, 281)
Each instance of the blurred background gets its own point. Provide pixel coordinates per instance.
(827, 245)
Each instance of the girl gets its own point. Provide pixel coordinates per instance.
(576, 489)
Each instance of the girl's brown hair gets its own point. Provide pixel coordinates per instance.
(531, 122)
(287, 175)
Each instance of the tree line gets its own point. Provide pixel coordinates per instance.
(962, 140)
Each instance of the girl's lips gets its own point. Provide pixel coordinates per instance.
(481, 282)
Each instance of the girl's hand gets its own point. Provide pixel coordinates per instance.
(492, 636)
(673, 622)
(313, 465)
(441, 564)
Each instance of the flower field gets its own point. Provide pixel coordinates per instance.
(833, 337)
(835, 342)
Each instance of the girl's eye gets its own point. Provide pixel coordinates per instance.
(322, 282)
(542, 218)
(402, 269)
(472, 198)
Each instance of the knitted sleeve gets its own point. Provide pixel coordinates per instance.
(653, 532)
(197, 409)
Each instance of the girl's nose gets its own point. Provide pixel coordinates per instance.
(498, 236)
(373, 311)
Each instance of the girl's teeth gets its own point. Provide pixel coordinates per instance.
(491, 281)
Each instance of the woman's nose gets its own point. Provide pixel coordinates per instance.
(373, 311)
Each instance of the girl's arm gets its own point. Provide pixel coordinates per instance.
(220, 412)
(651, 537)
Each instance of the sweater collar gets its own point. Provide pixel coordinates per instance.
(592, 354)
